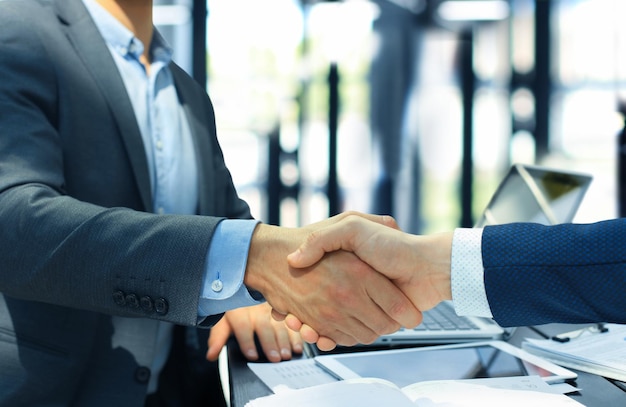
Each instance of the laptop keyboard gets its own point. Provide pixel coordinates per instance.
(443, 317)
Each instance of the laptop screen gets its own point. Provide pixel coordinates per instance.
(536, 194)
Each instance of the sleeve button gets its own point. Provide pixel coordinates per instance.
(146, 303)
(217, 286)
(119, 298)
(132, 301)
(161, 306)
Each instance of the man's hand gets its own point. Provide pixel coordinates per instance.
(278, 342)
(418, 265)
(337, 294)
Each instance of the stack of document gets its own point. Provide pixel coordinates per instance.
(511, 392)
(601, 352)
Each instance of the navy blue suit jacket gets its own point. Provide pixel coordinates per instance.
(76, 242)
(571, 273)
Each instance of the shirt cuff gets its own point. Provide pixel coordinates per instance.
(223, 288)
(467, 274)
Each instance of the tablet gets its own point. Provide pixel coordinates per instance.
(403, 367)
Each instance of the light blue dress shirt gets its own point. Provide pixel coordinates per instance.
(171, 159)
(173, 169)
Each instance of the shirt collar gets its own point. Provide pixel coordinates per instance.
(122, 40)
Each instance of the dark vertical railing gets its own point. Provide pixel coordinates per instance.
(468, 86)
(198, 44)
(542, 85)
(333, 124)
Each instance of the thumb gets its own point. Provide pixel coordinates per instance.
(304, 257)
(342, 235)
(338, 236)
(317, 244)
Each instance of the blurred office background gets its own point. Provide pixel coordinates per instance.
(462, 89)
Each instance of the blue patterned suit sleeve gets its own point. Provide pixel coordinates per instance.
(572, 273)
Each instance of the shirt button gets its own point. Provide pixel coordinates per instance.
(159, 145)
(142, 374)
(217, 286)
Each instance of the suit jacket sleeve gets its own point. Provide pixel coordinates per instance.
(572, 273)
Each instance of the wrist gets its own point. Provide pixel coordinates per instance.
(439, 257)
(254, 278)
(267, 258)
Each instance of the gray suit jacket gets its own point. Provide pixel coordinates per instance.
(76, 242)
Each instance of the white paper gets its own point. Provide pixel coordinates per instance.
(532, 383)
(599, 353)
(515, 391)
(338, 394)
(496, 392)
(292, 374)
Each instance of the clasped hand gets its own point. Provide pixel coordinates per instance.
(339, 296)
(419, 266)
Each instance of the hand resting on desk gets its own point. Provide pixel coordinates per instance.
(277, 341)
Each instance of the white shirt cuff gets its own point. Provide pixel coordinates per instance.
(467, 274)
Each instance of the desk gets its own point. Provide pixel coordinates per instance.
(595, 391)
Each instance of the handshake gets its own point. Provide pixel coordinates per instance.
(349, 279)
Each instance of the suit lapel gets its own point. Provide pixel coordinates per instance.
(92, 49)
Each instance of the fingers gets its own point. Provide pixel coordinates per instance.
(278, 316)
(344, 309)
(274, 342)
(340, 234)
(297, 344)
(309, 334)
(317, 244)
(293, 322)
(326, 344)
(373, 304)
(306, 333)
(384, 220)
(294, 325)
(393, 302)
(217, 339)
(244, 329)
(277, 342)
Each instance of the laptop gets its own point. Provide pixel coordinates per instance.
(526, 194)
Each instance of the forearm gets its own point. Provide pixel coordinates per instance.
(438, 255)
(568, 273)
(71, 253)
